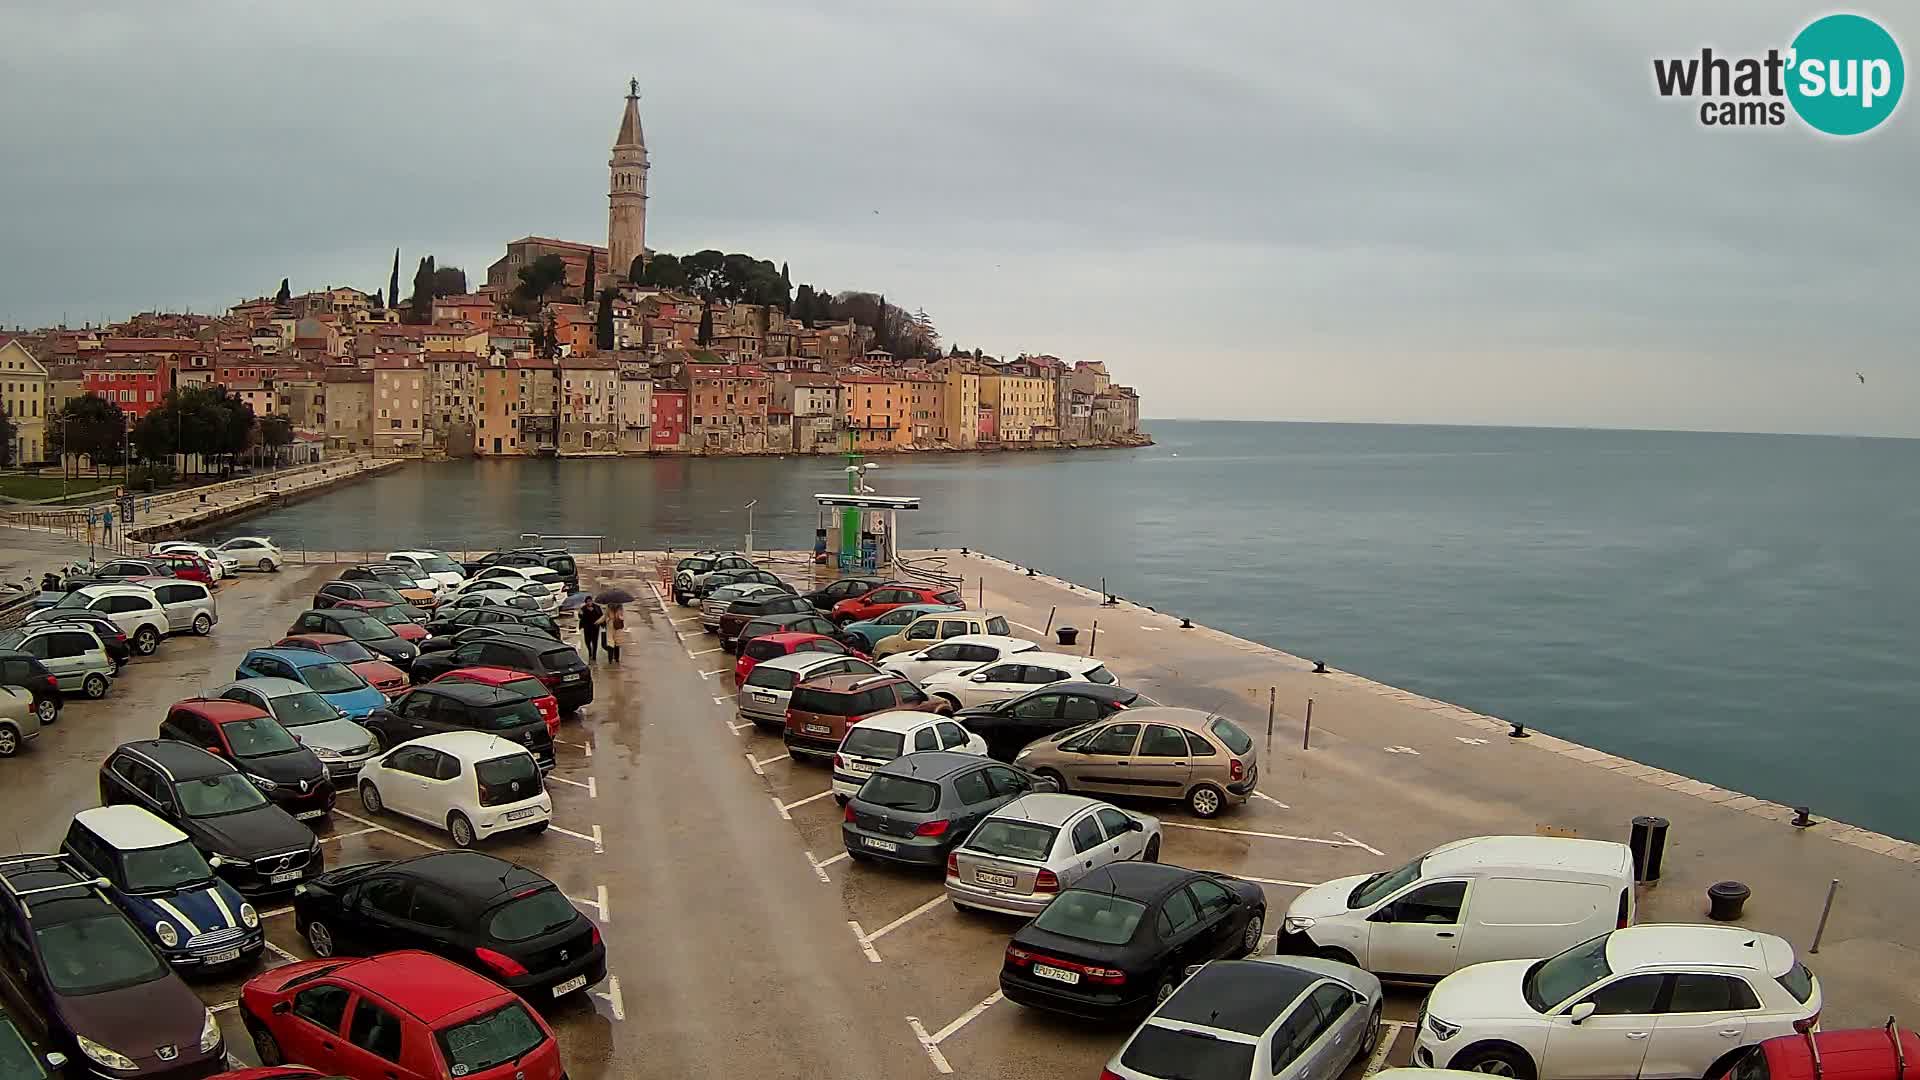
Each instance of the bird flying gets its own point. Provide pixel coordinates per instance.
(1862, 378)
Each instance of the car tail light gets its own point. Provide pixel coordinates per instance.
(53, 683)
(1110, 976)
(931, 828)
(1119, 706)
(1018, 957)
(1109, 1074)
(839, 762)
(849, 814)
(1236, 770)
(504, 966)
(1045, 881)
(596, 935)
(549, 679)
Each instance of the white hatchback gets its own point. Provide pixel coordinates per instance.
(445, 574)
(1644, 1001)
(255, 551)
(472, 784)
(983, 685)
(882, 737)
(224, 565)
(956, 654)
(133, 608)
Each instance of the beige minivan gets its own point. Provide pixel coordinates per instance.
(1202, 759)
(939, 626)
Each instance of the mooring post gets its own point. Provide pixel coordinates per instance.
(1050, 613)
(982, 594)
(1821, 930)
(1094, 638)
(1306, 735)
(1272, 692)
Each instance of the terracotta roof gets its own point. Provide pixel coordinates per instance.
(345, 375)
(551, 242)
(395, 363)
(145, 344)
(589, 363)
(123, 363)
(812, 380)
(725, 371)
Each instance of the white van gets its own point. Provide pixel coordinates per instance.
(1468, 902)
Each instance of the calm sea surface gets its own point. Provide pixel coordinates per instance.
(1740, 608)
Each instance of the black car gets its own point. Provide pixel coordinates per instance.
(266, 753)
(832, 593)
(451, 620)
(1119, 941)
(119, 649)
(557, 560)
(794, 624)
(28, 673)
(746, 609)
(256, 846)
(392, 575)
(746, 576)
(502, 920)
(1008, 726)
(362, 628)
(915, 809)
(335, 591)
(556, 665)
(703, 562)
(474, 633)
(90, 985)
(23, 1056)
(458, 705)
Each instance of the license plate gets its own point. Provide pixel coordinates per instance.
(1048, 971)
(860, 767)
(818, 729)
(881, 845)
(764, 697)
(522, 815)
(575, 677)
(995, 877)
(309, 815)
(222, 957)
(570, 985)
(283, 877)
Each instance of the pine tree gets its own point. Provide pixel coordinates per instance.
(284, 296)
(603, 323)
(706, 325)
(421, 303)
(586, 290)
(379, 299)
(393, 283)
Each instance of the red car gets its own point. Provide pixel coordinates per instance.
(768, 646)
(517, 681)
(250, 739)
(190, 567)
(397, 1016)
(394, 615)
(365, 663)
(1882, 1053)
(277, 1072)
(877, 602)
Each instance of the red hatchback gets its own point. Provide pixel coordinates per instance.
(394, 615)
(364, 662)
(397, 1016)
(189, 567)
(517, 681)
(768, 646)
(1882, 1053)
(876, 602)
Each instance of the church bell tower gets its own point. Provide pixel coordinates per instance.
(627, 190)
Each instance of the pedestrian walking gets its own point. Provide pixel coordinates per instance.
(616, 632)
(592, 623)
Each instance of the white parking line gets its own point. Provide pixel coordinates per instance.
(1358, 844)
(1258, 794)
(612, 997)
(705, 652)
(931, 1043)
(1342, 842)
(819, 868)
(907, 918)
(1385, 1047)
(685, 634)
(718, 700)
(735, 728)
(224, 1006)
(866, 946)
(282, 953)
(277, 912)
(344, 835)
(593, 788)
(390, 832)
(715, 671)
(599, 846)
(1024, 626)
(784, 807)
(1279, 881)
(758, 765)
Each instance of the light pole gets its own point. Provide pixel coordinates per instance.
(749, 508)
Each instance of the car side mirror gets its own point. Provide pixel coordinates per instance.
(216, 861)
(978, 676)
(56, 1060)
(1133, 825)
(1580, 1012)
(1192, 970)
(281, 1008)
(1046, 783)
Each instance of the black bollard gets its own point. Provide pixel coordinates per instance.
(1725, 899)
(1648, 842)
(1068, 634)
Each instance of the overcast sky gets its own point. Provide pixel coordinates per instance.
(1430, 213)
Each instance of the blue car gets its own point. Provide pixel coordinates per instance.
(165, 886)
(339, 684)
(891, 622)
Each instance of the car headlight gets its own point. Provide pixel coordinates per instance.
(249, 918)
(1441, 1029)
(325, 754)
(209, 1034)
(101, 1055)
(1296, 924)
(262, 782)
(166, 933)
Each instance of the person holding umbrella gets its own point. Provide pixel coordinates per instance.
(613, 623)
(591, 617)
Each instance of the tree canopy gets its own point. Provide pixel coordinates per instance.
(195, 419)
(89, 425)
(537, 281)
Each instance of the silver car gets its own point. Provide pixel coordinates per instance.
(1267, 1016)
(717, 601)
(1020, 857)
(71, 651)
(342, 745)
(19, 724)
(189, 605)
(763, 697)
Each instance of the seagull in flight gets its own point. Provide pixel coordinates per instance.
(1862, 378)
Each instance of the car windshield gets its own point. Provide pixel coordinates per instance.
(1554, 980)
(696, 565)
(1190, 1055)
(258, 738)
(331, 678)
(12, 639)
(370, 591)
(211, 796)
(1798, 981)
(17, 1060)
(350, 651)
(162, 869)
(297, 710)
(503, 1035)
(438, 564)
(531, 914)
(998, 625)
(770, 678)
(1105, 678)
(529, 686)
(1226, 731)
(1013, 839)
(366, 628)
(396, 579)
(74, 600)
(508, 717)
(900, 793)
(1101, 917)
(873, 743)
(561, 659)
(105, 952)
(393, 614)
(1383, 884)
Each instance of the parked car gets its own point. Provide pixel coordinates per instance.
(887, 597)
(557, 665)
(23, 1056)
(786, 643)
(361, 627)
(873, 631)
(164, 886)
(1119, 943)
(1883, 1053)
(24, 671)
(187, 567)
(1468, 902)
(762, 625)
(133, 608)
(519, 682)
(546, 598)
(474, 784)
(71, 652)
(763, 694)
(105, 994)
(341, 744)
(1654, 1001)
(19, 720)
(119, 649)
(492, 916)
(252, 844)
(833, 592)
(267, 754)
(493, 594)
(406, 621)
(558, 560)
(744, 610)
(446, 574)
(189, 605)
(452, 619)
(517, 575)
(1011, 724)
(1020, 856)
(963, 653)
(690, 575)
(1256, 1019)
(401, 1015)
(970, 688)
(915, 809)
(362, 661)
(925, 631)
(718, 602)
(258, 552)
(225, 564)
(820, 710)
(1202, 759)
(339, 684)
(464, 706)
(115, 570)
(342, 593)
(397, 578)
(881, 738)
(477, 633)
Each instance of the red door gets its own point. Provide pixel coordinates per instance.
(375, 1046)
(310, 1033)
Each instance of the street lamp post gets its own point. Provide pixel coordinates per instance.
(750, 505)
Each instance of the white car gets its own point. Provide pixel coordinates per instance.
(1020, 857)
(255, 551)
(445, 574)
(543, 585)
(956, 654)
(882, 737)
(1644, 1001)
(135, 609)
(1028, 671)
(472, 784)
(224, 565)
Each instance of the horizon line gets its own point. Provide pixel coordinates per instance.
(1520, 427)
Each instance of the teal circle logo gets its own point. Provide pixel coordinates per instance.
(1847, 74)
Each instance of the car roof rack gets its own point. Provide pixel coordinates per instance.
(17, 863)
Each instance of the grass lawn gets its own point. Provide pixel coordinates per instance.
(47, 484)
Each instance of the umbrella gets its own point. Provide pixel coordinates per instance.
(577, 600)
(615, 596)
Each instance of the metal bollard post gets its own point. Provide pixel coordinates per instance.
(982, 595)
(1306, 736)
(1272, 692)
(1821, 930)
(1050, 614)
(1094, 638)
